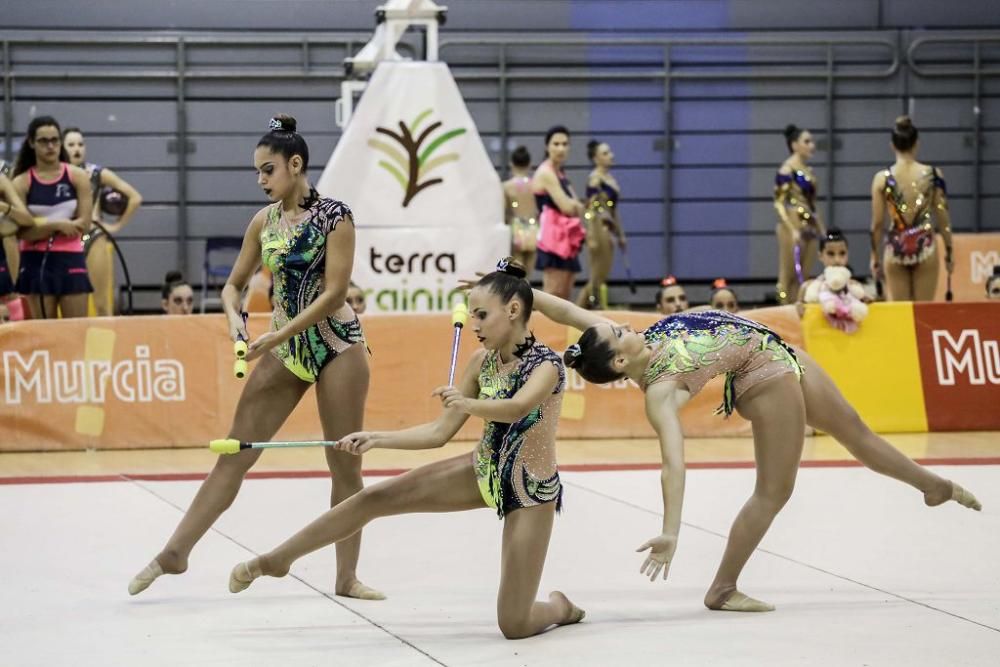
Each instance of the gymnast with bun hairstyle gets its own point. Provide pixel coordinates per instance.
(913, 198)
(777, 388)
(515, 385)
(307, 242)
(799, 227)
(178, 296)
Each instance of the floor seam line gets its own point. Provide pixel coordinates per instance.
(305, 583)
(784, 557)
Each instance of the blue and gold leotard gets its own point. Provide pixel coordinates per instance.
(516, 463)
(796, 193)
(296, 255)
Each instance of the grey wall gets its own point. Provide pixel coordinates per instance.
(546, 16)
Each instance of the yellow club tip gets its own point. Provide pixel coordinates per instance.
(225, 446)
(460, 314)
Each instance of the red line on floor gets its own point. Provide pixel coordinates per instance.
(389, 472)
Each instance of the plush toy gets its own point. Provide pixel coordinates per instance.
(839, 297)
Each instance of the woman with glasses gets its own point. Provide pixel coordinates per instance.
(53, 271)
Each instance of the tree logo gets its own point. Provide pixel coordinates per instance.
(413, 162)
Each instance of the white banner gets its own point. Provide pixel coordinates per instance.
(427, 201)
(417, 270)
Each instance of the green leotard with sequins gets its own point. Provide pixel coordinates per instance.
(516, 463)
(296, 255)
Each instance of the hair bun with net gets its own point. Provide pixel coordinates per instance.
(511, 268)
(572, 355)
(282, 123)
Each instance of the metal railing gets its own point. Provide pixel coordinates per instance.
(181, 72)
(830, 60)
(668, 72)
(977, 72)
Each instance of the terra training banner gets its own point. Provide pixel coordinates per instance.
(427, 201)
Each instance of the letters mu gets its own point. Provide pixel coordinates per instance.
(141, 379)
(978, 359)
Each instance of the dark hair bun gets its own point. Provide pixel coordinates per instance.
(792, 132)
(520, 157)
(904, 134)
(511, 268)
(283, 123)
(592, 147)
(571, 357)
(173, 277)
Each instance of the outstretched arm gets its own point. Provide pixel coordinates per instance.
(566, 312)
(663, 401)
(425, 436)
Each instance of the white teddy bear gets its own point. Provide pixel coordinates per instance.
(839, 297)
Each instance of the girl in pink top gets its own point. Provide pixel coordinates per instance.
(561, 235)
(53, 271)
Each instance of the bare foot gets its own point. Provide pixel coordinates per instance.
(167, 562)
(358, 591)
(569, 611)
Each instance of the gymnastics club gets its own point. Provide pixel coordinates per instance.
(232, 446)
(240, 350)
(628, 271)
(459, 316)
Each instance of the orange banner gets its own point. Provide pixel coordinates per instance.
(166, 381)
(975, 256)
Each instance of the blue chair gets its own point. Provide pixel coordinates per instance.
(220, 256)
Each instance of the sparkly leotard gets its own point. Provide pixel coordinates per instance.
(296, 255)
(912, 242)
(796, 193)
(603, 199)
(695, 347)
(516, 463)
